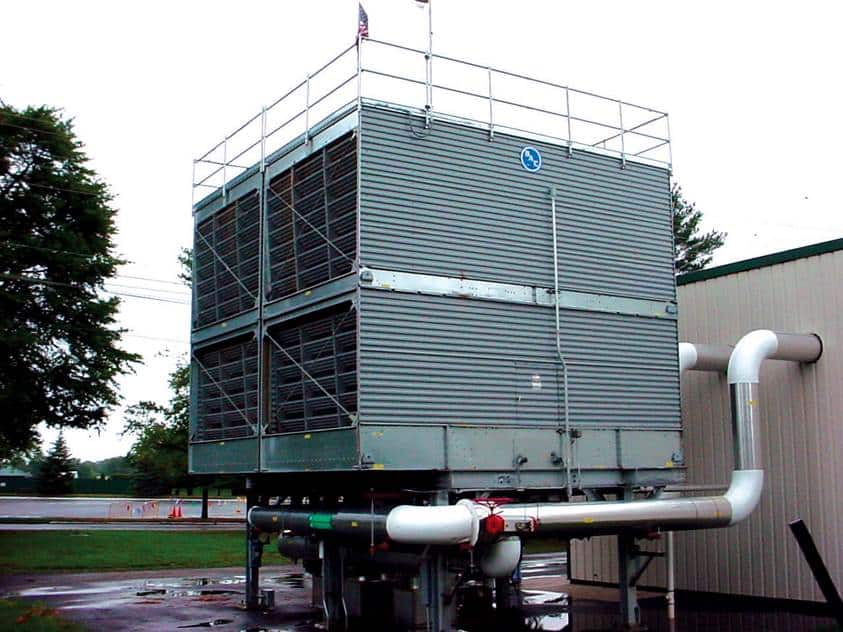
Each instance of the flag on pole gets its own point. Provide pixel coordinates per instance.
(362, 22)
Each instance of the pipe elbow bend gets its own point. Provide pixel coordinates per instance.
(750, 352)
(744, 493)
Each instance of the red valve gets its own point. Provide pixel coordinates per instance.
(495, 524)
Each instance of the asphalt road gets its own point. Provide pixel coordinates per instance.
(115, 508)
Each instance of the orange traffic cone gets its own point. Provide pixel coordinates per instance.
(178, 511)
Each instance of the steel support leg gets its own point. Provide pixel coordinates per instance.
(332, 586)
(254, 553)
(440, 605)
(628, 563)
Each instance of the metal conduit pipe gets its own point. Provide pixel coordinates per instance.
(688, 513)
(697, 357)
(407, 524)
(455, 524)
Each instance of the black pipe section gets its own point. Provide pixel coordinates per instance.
(818, 568)
(361, 525)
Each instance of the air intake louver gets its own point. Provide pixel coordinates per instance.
(228, 391)
(326, 347)
(226, 254)
(312, 219)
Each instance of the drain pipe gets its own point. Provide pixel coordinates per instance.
(692, 357)
(686, 513)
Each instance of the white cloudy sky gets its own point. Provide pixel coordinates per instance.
(753, 90)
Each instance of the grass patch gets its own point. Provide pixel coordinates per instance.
(81, 551)
(28, 616)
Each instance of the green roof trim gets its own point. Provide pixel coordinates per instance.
(761, 262)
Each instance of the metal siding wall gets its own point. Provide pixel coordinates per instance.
(802, 434)
(454, 203)
(622, 369)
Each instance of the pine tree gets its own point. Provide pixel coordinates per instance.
(692, 250)
(55, 476)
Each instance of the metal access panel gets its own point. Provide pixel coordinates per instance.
(405, 314)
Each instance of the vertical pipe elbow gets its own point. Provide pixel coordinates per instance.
(749, 353)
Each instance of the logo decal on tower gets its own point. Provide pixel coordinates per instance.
(531, 159)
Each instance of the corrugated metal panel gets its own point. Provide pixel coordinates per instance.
(801, 434)
(427, 359)
(454, 203)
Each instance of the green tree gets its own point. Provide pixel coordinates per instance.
(159, 453)
(55, 475)
(58, 338)
(693, 250)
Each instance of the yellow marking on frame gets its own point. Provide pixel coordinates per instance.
(377, 466)
(588, 520)
(307, 436)
(354, 523)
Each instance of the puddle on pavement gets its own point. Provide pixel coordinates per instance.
(291, 580)
(208, 624)
(56, 591)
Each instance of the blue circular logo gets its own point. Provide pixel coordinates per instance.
(531, 159)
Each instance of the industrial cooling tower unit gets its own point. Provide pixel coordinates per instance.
(414, 332)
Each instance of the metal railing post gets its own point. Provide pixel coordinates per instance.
(669, 146)
(263, 138)
(568, 117)
(623, 149)
(307, 110)
(224, 165)
(429, 66)
(193, 187)
(491, 106)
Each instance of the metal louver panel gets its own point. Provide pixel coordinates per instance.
(226, 255)
(312, 219)
(227, 399)
(326, 347)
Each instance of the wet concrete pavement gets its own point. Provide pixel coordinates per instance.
(116, 508)
(188, 600)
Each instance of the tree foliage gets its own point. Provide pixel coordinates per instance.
(57, 336)
(55, 473)
(159, 453)
(693, 249)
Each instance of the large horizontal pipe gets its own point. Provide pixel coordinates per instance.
(298, 521)
(406, 524)
(456, 524)
(697, 357)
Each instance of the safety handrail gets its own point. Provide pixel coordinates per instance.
(638, 140)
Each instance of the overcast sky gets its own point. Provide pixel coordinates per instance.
(753, 90)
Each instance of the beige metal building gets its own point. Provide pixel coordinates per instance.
(799, 291)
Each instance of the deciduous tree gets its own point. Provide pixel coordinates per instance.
(59, 342)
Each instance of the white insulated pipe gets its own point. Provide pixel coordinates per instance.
(434, 524)
(460, 523)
